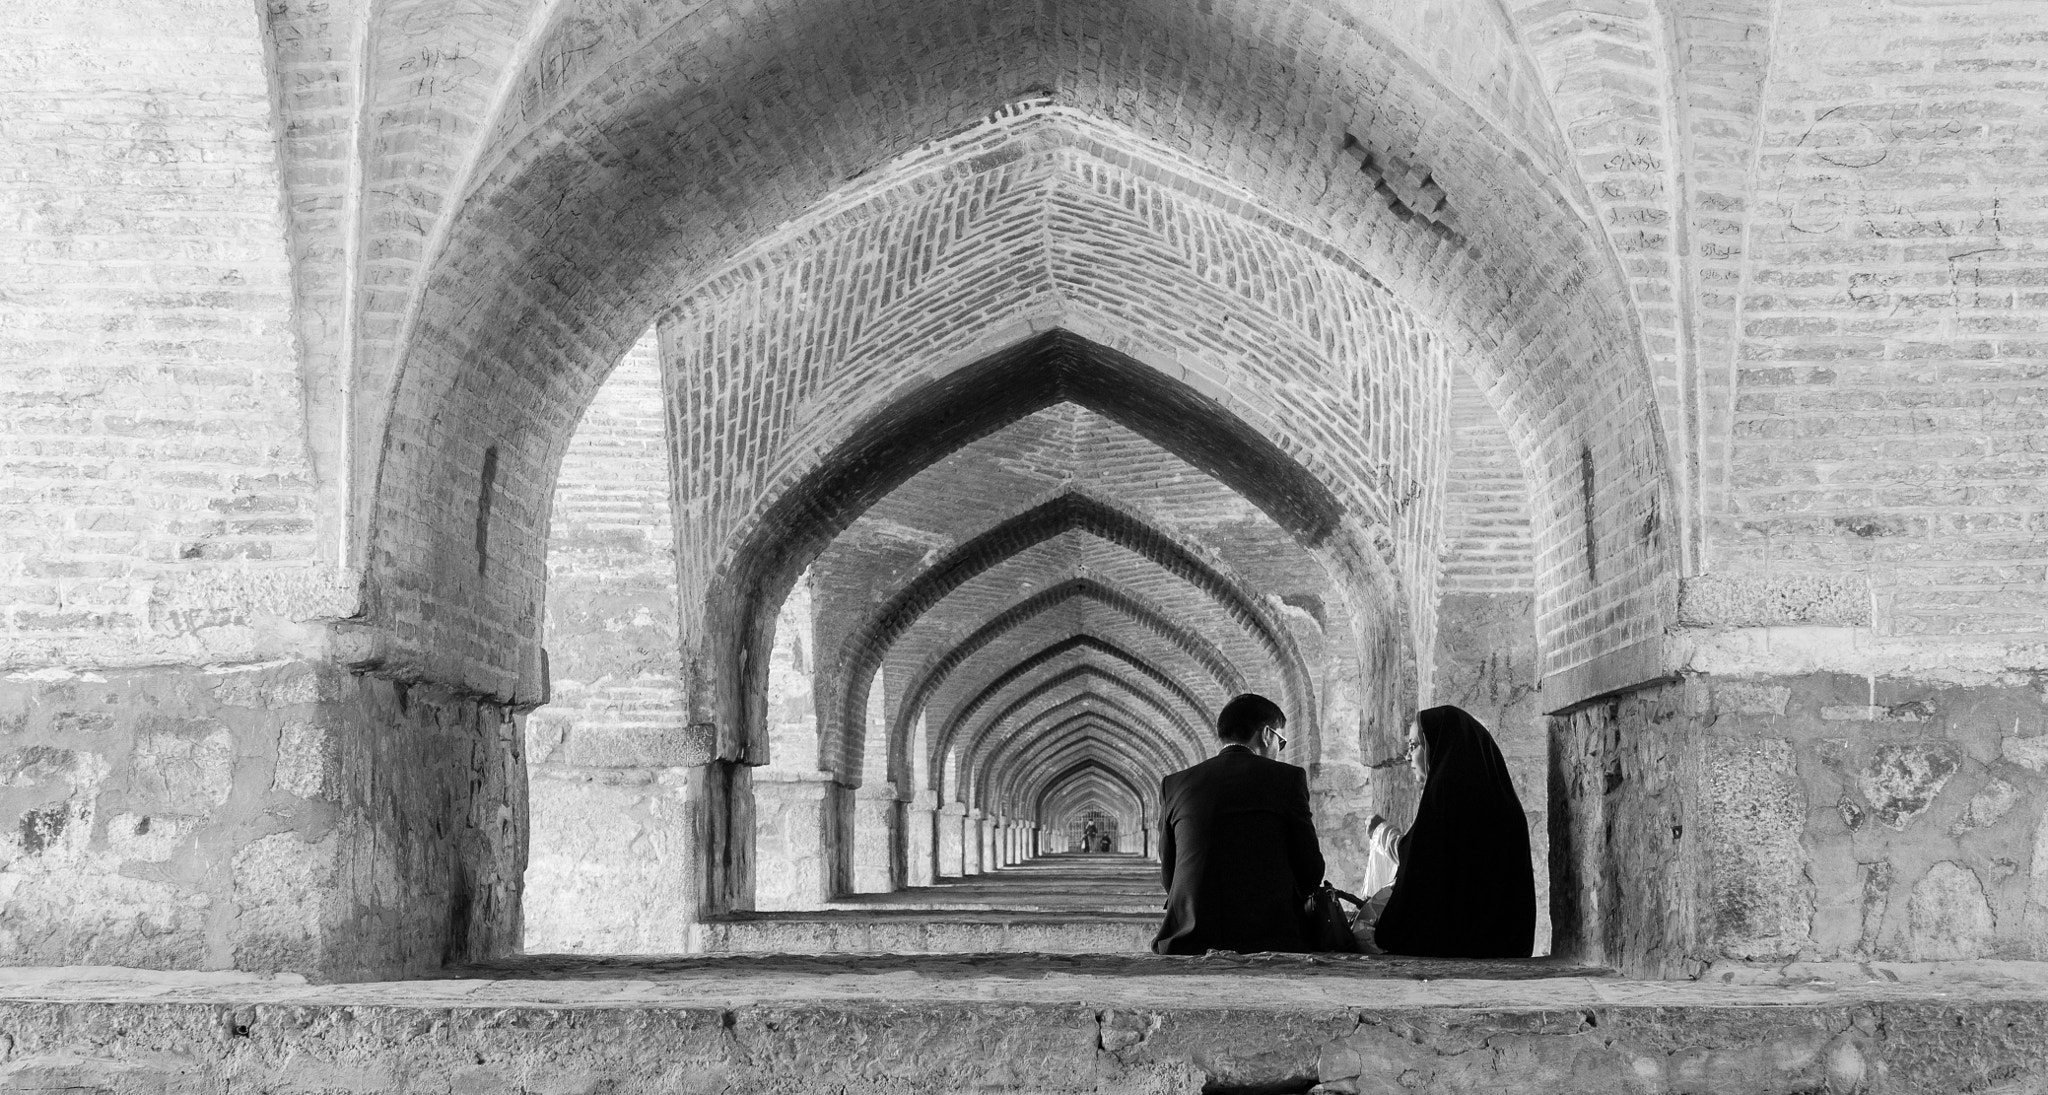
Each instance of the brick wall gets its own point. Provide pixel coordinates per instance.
(1885, 414)
(607, 803)
(155, 501)
(1486, 543)
(610, 631)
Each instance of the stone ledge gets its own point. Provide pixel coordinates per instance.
(1228, 1023)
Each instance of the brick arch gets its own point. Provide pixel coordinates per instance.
(1047, 743)
(1039, 364)
(1087, 685)
(1145, 614)
(1088, 645)
(1093, 778)
(521, 310)
(1072, 776)
(1012, 787)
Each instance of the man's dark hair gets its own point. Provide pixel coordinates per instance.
(1244, 716)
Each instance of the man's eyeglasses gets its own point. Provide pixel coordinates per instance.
(1279, 739)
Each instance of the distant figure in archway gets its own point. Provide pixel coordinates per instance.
(1465, 887)
(1088, 838)
(1237, 847)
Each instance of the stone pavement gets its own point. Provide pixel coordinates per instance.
(1103, 1024)
(1053, 904)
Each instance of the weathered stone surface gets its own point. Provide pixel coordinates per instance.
(1763, 897)
(354, 824)
(1743, 600)
(1950, 916)
(2031, 752)
(1146, 1025)
(606, 872)
(1987, 806)
(1901, 781)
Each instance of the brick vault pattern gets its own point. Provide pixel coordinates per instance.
(1886, 414)
(977, 635)
(1383, 243)
(1270, 652)
(1376, 483)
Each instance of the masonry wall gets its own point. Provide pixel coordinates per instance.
(1887, 408)
(155, 503)
(278, 816)
(610, 806)
(1819, 817)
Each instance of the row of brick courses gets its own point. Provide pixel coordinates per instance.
(1486, 501)
(1724, 59)
(433, 340)
(1887, 410)
(616, 685)
(1611, 85)
(156, 505)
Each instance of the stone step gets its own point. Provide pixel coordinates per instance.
(1044, 1024)
(1059, 904)
(929, 931)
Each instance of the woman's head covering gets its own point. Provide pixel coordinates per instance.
(1466, 887)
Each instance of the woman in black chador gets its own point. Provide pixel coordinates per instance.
(1465, 887)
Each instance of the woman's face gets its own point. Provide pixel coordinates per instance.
(1418, 751)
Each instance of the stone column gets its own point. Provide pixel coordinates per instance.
(952, 831)
(877, 832)
(974, 845)
(793, 823)
(920, 845)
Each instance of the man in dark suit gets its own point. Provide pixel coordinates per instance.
(1237, 848)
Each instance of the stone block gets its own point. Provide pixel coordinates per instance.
(1902, 781)
(282, 887)
(1763, 898)
(181, 766)
(1987, 807)
(1746, 600)
(2028, 752)
(1949, 914)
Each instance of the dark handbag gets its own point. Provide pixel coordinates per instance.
(1326, 927)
